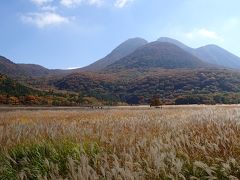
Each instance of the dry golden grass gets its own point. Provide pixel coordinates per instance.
(170, 143)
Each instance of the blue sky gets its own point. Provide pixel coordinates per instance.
(75, 33)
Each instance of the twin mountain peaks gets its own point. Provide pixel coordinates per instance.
(165, 53)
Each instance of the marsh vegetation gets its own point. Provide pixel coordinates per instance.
(170, 143)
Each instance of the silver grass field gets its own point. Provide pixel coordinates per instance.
(177, 142)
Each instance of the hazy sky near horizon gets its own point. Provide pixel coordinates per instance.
(74, 33)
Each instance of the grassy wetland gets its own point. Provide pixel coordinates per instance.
(195, 142)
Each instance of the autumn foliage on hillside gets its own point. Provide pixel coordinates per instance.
(203, 86)
(134, 87)
(14, 93)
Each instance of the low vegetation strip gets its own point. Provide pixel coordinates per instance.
(169, 143)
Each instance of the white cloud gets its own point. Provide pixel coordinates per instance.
(49, 8)
(41, 2)
(95, 2)
(203, 33)
(44, 19)
(70, 3)
(122, 3)
(74, 3)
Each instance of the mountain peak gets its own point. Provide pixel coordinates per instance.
(212, 46)
(177, 43)
(210, 53)
(217, 55)
(128, 46)
(167, 39)
(135, 39)
(124, 49)
(5, 60)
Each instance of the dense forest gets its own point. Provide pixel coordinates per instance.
(14, 93)
(171, 86)
(133, 87)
